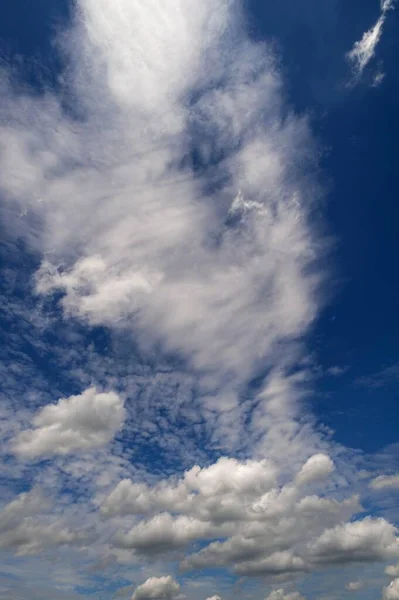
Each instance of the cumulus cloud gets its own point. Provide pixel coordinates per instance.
(204, 491)
(364, 50)
(392, 570)
(366, 540)
(391, 591)
(385, 481)
(317, 467)
(81, 422)
(157, 588)
(262, 528)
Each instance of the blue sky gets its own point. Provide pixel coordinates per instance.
(199, 364)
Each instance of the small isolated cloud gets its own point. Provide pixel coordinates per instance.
(214, 598)
(157, 588)
(337, 371)
(354, 586)
(364, 50)
(282, 595)
(391, 591)
(81, 422)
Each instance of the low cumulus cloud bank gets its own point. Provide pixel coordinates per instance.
(88, 420)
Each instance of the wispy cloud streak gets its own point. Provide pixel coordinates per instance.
(364, 50)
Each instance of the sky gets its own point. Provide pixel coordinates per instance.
(199, 301)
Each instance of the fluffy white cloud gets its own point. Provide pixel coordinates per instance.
(366, 540)
(262, 528)
(317, 467)
(282, 595)
(163, 533)
(364, 50)
(391, 591)
(212, 493)
(385, 481)
(392, 570)
(157, 588)
(81, 422)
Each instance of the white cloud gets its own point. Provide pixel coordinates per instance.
(317, 467)
(205, 492)
(217, 264)
(214, 598)
(163, 533)
(364, 50)
(262, 528)
(385, 481)
(366, 540)
(392, 570)
(279, 562)
(354, 586)
(391, 591)
(282, 595)
(157, 588)
(81, 422)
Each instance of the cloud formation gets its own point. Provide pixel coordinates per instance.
(263, 528)
(364, 50)
(81, 422)
(354, 586)
(27, 527)
(385, 481)
(391, 591)
(281, 595)
(171, 196)
(157, 588)
(177, 206)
